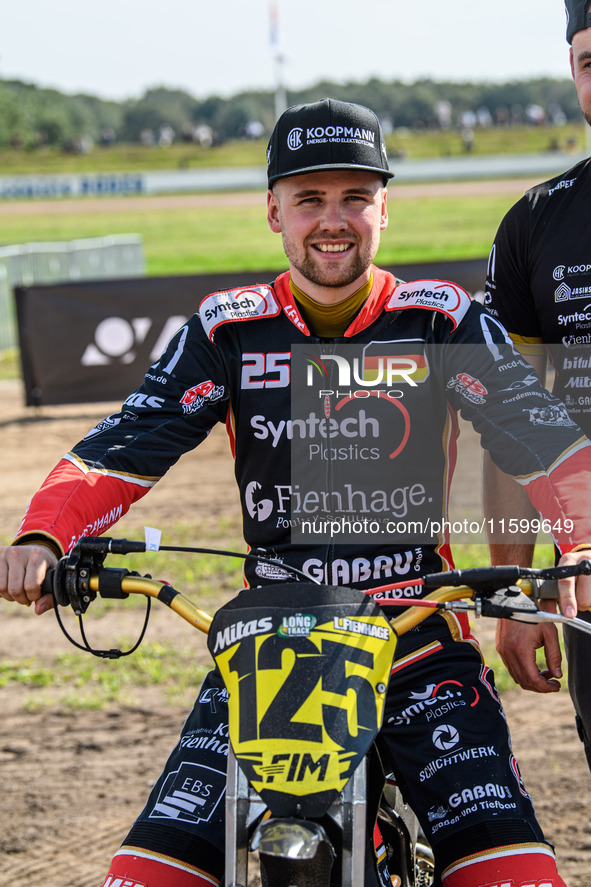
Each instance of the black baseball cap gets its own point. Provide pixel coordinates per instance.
(326, 135)
(578, 17)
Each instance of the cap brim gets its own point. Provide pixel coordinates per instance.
(321, 167)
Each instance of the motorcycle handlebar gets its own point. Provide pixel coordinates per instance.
(497, 591)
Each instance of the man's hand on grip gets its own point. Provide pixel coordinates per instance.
(22, 570)
(575, 593)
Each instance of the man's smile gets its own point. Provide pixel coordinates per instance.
(333, 247)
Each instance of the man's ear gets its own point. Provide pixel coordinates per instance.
(384, 214)
(273, 212)
(572, 62)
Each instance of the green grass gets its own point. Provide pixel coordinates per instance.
(415, 145)
(222, 238)
(83, 682)
(206, 579)
(217, 239)
(176, 241)
(131, 158)
(438, 228)
(78, 680)
(468, 556)
(10, 367)
(497, 140)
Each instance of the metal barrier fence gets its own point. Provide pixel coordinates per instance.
(97, 258)
(7, 320)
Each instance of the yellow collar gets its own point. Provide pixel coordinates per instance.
(331, 321)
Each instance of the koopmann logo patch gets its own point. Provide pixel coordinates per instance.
(315, 135)
(232, 305)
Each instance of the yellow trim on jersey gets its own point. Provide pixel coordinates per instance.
(528, 344)
(421, 653)
(525, 479)
(129, 850)
(505, 851)
(42, 539)
(457, 634)
(120, 475)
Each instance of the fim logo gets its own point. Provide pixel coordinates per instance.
(297, 626)
(294, 768)
(191, 795)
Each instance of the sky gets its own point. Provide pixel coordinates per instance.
(117, 49)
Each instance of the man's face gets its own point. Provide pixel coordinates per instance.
(580, 60)
(330, 223)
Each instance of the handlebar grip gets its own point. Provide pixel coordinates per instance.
(548, 590)
(47, 584)
(52, 585)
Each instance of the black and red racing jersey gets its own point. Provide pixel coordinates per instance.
(539, 281)
(344, 449)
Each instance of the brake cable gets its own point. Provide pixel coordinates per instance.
(101, 654)
(72, 574)
(71, 583)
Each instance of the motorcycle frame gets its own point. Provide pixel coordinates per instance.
(244, 807)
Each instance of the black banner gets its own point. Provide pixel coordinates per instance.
(93, 341)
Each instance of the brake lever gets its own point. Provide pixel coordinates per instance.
(506, 603)
(512, 603)
(542, 616)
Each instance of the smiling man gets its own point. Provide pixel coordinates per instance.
(339, 387)
(330, 230)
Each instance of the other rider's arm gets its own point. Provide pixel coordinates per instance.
(517, 642)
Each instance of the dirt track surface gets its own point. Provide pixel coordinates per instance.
(251, 198)
(73, 780)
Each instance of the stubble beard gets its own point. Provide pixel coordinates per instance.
(334, 277)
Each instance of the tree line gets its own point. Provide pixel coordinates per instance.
(31, 116)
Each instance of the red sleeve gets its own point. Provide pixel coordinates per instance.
(561, 497)
(77, 501)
